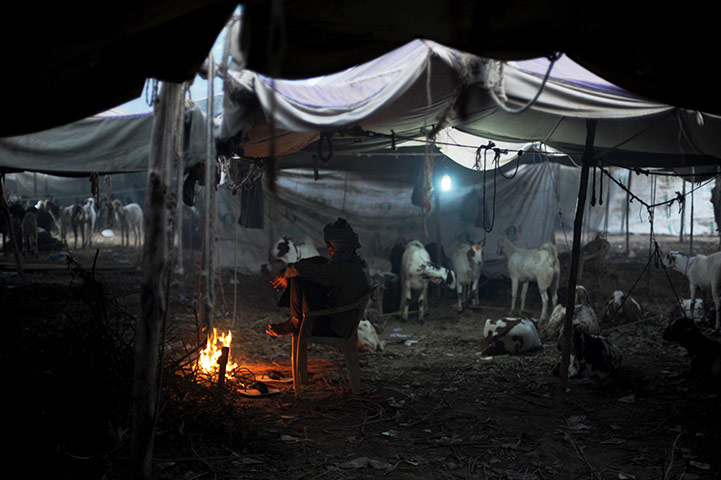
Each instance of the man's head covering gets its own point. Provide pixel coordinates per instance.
(344, 240)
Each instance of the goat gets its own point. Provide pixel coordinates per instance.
(70, 217)
(48, 213)
(29, 227)
(509, 335)
(90, 214)
(705, 353)
(128, 217)
(467, 263)
(584, 316)
(416, 271)
(591, 356)
(287, 250)
(368, 338)
(540, 265)
(621, 309)
(702, 271)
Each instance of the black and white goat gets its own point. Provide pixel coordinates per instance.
(705, 354)
(416, 271)
(537, 264)
(591, 356)
(288, 250)
(467, 263)
(702, 271)
(621, 309)
(584, 316)
(509, 336)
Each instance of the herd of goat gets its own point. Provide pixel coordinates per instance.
(38, 220)
(591, 354)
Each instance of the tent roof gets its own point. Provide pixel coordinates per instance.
(68, 61)
(658, 53)
(424, 85)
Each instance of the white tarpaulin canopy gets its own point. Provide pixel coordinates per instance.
(424, 85)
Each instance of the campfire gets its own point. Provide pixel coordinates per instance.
(213, 358)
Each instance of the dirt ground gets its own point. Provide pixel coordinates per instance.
(432, 406)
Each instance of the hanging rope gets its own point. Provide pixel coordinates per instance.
(552, 58)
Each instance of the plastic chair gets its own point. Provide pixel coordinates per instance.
(348, 345)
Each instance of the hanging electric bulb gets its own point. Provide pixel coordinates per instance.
(446, 182)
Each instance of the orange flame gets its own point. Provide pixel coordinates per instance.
(208, 360)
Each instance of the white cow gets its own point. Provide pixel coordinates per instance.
(128, 217)
(467, 263)
(416, 271)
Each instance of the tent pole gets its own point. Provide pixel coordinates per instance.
(153, 301)
(690, 233)
(179, 189)
(587, 160)
(628, 206)
(11, 228)
(683, 211)
(207, 278)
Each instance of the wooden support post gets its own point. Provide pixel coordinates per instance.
(179, 164)
(223, 365)
(628, 207)
(587, 160)
(683, 210)
(11, 228)
(153, 300)
(690, 233)
(207, 276)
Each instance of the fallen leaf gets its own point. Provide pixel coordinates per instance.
(288, 439)
(700, 465)
(628, 399)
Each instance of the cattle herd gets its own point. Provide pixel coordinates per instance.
(34, 225)
(415, 265)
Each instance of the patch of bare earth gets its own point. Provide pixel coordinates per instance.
(432, 406)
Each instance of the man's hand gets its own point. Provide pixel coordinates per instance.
(279, 283)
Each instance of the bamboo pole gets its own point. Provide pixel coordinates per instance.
(683, 210)
(587, 159)
(628, 207)
(690, 233)
(153, 301)
(179, 189)
(11, 228)
(207, 277)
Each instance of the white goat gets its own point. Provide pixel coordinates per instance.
(467, 263)
(702, 271)
(72, 216)
(416, 271)
(90, 214)
(287, 250)
(540, 265)
(29, 228)
(368, 340)
(128, 217)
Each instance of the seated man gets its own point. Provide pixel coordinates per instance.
(317, 283)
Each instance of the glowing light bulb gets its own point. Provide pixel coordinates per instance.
(446, 183)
